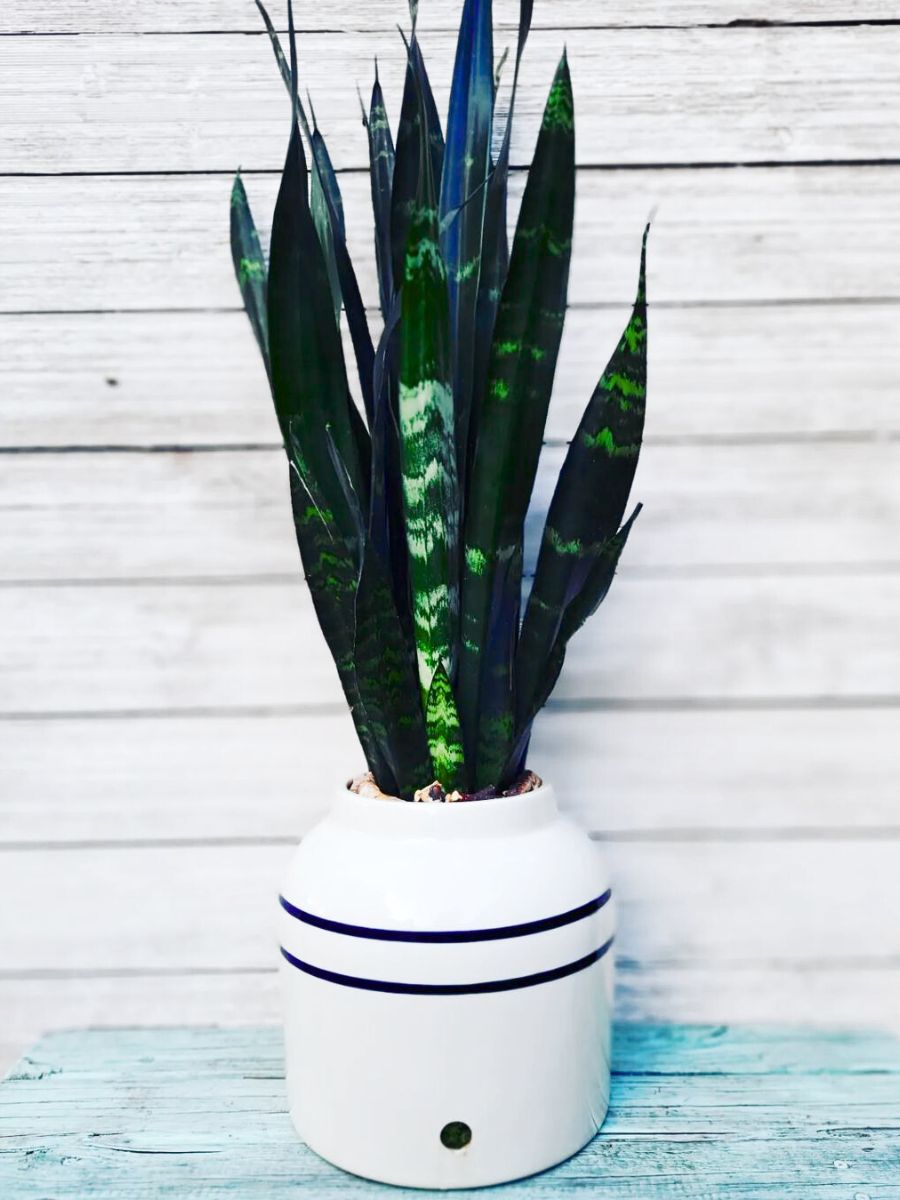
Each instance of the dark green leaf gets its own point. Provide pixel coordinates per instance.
(418, 120)
(309, 379)
(427, 448)
(444, 733)
(319, 207)
(381, 172)
(495, 249)
(387, 679)
(467, 163)
(348, 286)
(386, 522)
(249, 266)
(328, 211)
(497, 728)
(283, 64)
(511, 422)
(590, 497)
(582, 606)
(384, 661)
(331, 574)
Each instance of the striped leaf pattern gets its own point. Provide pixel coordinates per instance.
(590, 497)
(510, 432)
(426, 418)
(328, 212)
(582, 606)
(418, 120)
(410, 522)
(495, 247)
(249, 266)
(385, 665)
(444, 733)
(381, 174)
(467, 165)
(331, 574)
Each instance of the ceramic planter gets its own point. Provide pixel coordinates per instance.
(447, 973)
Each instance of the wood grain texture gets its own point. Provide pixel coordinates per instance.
(255, 646)
(213, 908)
(195, 379)
(212, 102)
(708, 507)
(814, 996)
(730, 775)
(730, 731)
(205, 16)
(720, 236)
(755, 1112)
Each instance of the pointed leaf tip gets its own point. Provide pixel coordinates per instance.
(559, 111)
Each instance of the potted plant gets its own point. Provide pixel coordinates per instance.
(447, 966)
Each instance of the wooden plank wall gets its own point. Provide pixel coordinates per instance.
(169, 720)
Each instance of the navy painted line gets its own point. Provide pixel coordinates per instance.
(448, 935)
(449, 989)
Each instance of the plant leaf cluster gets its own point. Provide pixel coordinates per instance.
(410, 507)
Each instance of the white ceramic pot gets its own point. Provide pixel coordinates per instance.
(448, 985)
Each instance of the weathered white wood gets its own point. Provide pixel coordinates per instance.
(72, 379)
(214, 908)
(33, 1006)
(809, 995)
(732, 775)
(204, 16)
(825, 948)
(161, 515)
(672, 640)
(211, 102)
(719, 236)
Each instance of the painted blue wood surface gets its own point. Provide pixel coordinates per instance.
(696, 1112)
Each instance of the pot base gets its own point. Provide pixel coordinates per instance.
(450, 1092)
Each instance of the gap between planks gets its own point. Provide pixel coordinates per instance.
(22, 18)
(762, 836)
(750, 164)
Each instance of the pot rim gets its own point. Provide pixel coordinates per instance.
(502, 814)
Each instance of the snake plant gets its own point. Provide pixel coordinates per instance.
(410, 506)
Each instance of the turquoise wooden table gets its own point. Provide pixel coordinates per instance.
(696, 1112)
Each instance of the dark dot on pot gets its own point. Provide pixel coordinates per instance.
(111, 381)
(455, 1135)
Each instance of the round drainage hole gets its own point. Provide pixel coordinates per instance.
(455, 1135)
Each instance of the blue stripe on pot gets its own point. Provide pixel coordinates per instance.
(449, 935)
(449, 989)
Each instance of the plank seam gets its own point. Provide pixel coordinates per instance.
(575, 305)
(889, 962)
(661, 836)
(765, 164)
(636, 573)
(738, 24)
(763, 438)
(662, 704)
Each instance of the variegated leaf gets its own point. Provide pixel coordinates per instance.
(444, 733)
(467, 164)
(249, 266)
(590, 497)
(381, 172)
(426, 419)
(583, 605)
(510, 432)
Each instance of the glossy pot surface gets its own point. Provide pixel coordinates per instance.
(447, 973)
